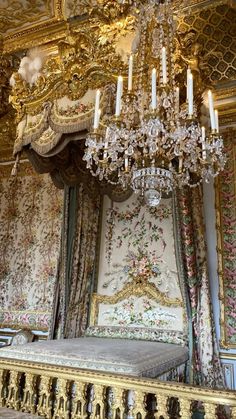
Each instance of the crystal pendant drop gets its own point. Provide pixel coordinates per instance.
(152, 197)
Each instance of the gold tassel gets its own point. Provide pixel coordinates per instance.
(14, 170)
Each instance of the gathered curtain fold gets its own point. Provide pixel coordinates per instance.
(82, 263)
(78, 252)
(206, 368)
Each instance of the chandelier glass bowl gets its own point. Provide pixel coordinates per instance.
(154, 143)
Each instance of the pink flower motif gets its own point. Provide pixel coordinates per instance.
(8, 316)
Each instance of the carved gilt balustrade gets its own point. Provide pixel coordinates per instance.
(56, 392)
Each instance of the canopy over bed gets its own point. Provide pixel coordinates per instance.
(55, 112)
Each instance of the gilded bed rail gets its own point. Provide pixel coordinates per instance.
(55, 392)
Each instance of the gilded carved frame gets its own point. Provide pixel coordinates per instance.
(135, 288)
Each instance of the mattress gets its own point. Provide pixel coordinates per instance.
(120, 356)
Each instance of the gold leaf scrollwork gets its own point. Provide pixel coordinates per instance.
(13, 399)
(210, 411)
(161, 406)
(185, 408)
(83, 63)
(29, 397)
(44, 407)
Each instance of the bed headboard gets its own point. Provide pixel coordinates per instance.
(139, 295)
(138, 311)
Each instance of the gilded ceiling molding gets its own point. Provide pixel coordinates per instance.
(11, 19)
(36, 34)
(59, 9)
(54, 27)
(226, 103)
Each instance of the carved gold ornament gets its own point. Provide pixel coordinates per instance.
(49, 388)
(83, 63)
(137, 288)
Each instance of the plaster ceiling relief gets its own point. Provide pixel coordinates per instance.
(75, 8)
(16, 15)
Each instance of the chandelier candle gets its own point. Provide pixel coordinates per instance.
(130, 76)
(204, 156)
(154, 89)
(190, 94)
(177, 100)
(97, 114)
(188, 74)
(105, 150)
(217, 121)
(126, 162)
(119, 95)
(164, 67)
(211, 110)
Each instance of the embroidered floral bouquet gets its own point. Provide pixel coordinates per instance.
(141, 265)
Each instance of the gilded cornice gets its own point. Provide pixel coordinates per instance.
(34, 36)
(50, 29)
(226, 103)
(53, 28)
(15, 15)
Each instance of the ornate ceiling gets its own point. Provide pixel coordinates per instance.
(21, 14)
(216, 33)
(29, 23)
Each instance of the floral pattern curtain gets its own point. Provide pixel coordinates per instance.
(206, 367)
(30, 226)
(75, 276)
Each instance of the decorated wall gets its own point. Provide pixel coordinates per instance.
(30, 229)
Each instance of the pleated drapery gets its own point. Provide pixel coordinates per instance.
(77, 261)
(206, 367)
(82, 263)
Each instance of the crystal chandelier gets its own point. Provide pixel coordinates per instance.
(154, 143)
